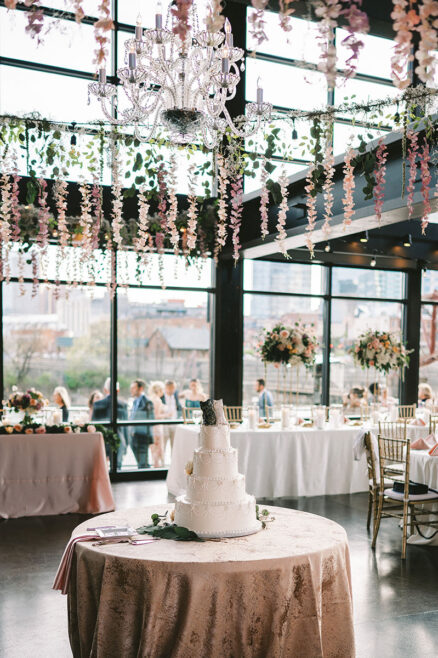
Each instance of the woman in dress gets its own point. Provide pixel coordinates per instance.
(195, 395)
(155, 393)
(62, 399)
(95, 395)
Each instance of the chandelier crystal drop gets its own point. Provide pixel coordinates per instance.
(178, 86)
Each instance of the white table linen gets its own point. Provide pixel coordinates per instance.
(424, 469)
(282, 463)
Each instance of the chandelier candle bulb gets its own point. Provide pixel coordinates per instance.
(138, 29)
(259, 93)
(159, 18)
(132, 59)
(228, 34)
(102, 76)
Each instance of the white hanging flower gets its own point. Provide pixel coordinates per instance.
(192, 212)
(173, 205)
(282, 213)
(264, 201)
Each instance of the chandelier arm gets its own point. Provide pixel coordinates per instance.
(109, 115)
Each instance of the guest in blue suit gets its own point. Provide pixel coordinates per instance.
(141, 435)
(265, 398)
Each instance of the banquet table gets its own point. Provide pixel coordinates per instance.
(281, 463)
(424, 468)
(42, 474)
(285, 591)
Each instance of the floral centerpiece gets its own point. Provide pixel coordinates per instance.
(289, 345)
(381, 350)
(30, 403)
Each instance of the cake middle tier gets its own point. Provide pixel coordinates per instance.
(215, 490)
(215, 437)
(215, 463)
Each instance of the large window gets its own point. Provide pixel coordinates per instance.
(429, 330)
(359, 299)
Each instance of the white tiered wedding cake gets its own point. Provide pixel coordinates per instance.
(216, 503)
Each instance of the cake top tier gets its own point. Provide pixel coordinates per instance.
(213, 412)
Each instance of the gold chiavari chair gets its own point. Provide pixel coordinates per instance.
(187, 414)
(393, 429)
(433, 423)
(404, 507)
(372, 479)
(233, 414)
(406, 411)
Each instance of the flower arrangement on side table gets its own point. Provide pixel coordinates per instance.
(381, 350)
(31, 402)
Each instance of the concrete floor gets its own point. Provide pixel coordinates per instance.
(396, 603)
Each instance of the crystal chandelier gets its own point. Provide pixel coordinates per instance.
(180, 86)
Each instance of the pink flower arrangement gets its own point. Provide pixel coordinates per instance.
(40, 429)
(67, 429)
(425, 183)
(379, 173)
(412, 136)
(348, 185)
(28, 430)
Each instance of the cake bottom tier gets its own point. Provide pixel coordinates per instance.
(228, 520)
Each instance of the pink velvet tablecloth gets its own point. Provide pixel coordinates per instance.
(43, 474)
(284, 592)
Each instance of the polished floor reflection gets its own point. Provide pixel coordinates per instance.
(396, 604)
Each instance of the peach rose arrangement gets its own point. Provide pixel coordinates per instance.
(381, 350)
(285, 345)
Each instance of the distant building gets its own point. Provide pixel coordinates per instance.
(177, 342)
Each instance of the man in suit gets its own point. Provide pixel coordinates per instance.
(265, 398)
(102, 412)
(174, 410)
(141, 435)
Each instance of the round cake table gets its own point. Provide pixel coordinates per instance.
(283, 592)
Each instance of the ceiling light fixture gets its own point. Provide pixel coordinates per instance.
(407, 241)
(364, 237)
(373, 262)
(327, 248)
(179, 87)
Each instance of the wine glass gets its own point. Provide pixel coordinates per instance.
(196, 416)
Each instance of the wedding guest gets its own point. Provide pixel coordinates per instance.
(155, 393)
(95, 395)
(265, 397)
(102, 411)
(425, 395)
(174, 410)
(141, 435)
(62, 399)
(194, 395)
(355, 398)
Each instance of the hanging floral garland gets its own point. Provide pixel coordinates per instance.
(426, 179)
(348, 186)
(192, 212)
(102, 26)
(380, 174)
(15, 205)
(141, 244)
(329, 12)
(222, 181)
(264, 200)
(256, 20)
(311, 208)
(404, 19)
(357, 24)
(117, 194)
(328, 184)
(214, 20)
(236, 200)
(411, 158)
(428, 44)
(173, 205)
(282, 213)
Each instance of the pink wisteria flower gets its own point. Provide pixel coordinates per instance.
(412, 137)
(428, 45)
(404, 23)
(181, 13)
(328, 185)
(380, 173)
(425, 183)
(348, 185)
(311, 208)
(264, 201)
(357, 23)
(236, 214)
(282, 213)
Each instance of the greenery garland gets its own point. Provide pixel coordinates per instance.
(111, 438)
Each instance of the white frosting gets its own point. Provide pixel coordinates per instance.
(216, 503)
(221, 520)
(215, 490)
(215, 437)
(217, 463)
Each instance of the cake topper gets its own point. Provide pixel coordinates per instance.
(218, 407)
(208, 412)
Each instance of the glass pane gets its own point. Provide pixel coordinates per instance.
(429, 285)
(374, 58)
(350, 318)
(263, 312)
(285, 86)
(353, 282)
(429, 347)
(253, 183)
(298, 44)
(162, 335)
(282, 277)
(360, 91)
(168, 270)
(344, 135)
(89, 6)
(129, 11)
(51, 342)
(66, 44)
(56, 97)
